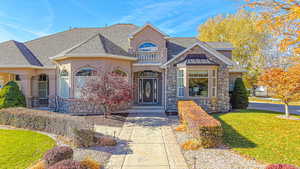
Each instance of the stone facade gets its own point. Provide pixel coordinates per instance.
(210, 104)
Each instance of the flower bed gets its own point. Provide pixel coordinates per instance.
(203, 127)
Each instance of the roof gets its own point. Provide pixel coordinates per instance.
(142, 28)
(195, 60)
(16, 54)
(111, 41)
(178, 44)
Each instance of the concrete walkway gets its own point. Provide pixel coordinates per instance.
(147, 142)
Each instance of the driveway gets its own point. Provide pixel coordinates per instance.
(274, 107)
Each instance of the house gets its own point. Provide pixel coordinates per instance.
(51, 70)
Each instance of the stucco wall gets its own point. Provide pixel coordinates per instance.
(221, 104)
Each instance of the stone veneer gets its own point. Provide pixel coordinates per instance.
(220, 104)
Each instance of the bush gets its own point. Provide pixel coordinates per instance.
(191, 145)
(207, 130)
(39, 165)
(58, 154)
(239, 97)
(106, 141)
(84, 138)
(90, 164)
(68, 164)
(51, 122)
(281, 166)
(11, 96)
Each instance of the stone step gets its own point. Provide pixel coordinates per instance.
(144, 110)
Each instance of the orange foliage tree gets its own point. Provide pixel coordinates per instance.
(282, 17)
(283, 84)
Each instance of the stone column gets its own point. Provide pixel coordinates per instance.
(26, 88)
(52, 89)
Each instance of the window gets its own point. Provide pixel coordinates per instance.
(214, 83)
(64, 84)
(148, 47)
(43, 86)
(198, 83)
(18, 78)
(120, 72)
(81, 77)
(180, 83)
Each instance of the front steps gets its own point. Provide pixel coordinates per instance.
(144, 109)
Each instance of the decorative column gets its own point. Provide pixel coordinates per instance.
(26, 88)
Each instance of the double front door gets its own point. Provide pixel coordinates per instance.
(148, 91)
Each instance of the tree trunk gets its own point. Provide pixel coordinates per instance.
(286, 106)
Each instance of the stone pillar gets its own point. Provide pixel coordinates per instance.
(52, 90)
(26, 88)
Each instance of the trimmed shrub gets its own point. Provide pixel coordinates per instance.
(51, 122)
(11, 96)
(84, 138)
(106, 141)
(191, 145)
(239, 97)
(90, 163)
(207, 130)
(39, 165)
(68, 164)
(58, 154)
(280, 166)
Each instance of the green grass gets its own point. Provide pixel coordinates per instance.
(21, 148)
(263, 136)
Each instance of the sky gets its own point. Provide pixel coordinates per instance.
(23, 20)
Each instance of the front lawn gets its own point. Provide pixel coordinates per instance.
(263, 136)
(21, 148)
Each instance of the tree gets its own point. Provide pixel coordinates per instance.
(239, 98)
(283, 84)
(282, 18)
(11, 96)
(241, 31)
(110, 89)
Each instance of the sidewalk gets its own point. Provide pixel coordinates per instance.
(147, 143)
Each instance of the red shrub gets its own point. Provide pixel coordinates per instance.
(68, 164)
(280, 166)
(202, 126)
(58, 154)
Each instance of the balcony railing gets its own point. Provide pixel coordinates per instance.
(147, 57)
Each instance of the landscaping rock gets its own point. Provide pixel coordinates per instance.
(106, 141)
(84, 138)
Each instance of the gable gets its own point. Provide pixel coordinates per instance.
(200, 48)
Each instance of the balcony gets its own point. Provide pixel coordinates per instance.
(147, 57)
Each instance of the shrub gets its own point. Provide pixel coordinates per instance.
(39, 165)
(68, 164)
(51, 122)
(280, 166)
(207, 130)
(239, 97)
(106, 141)
(11, 96)
(191, 145)
(84, 138)
(90, 163)
(58, 154)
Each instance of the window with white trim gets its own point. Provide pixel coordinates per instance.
(81, 77)
(148, 47)
(64, 84)
(198, 83)
(180, 83)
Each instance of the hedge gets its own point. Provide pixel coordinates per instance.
(203, 127)
(60, 124)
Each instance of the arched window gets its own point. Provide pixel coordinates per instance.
(81, 77)
(64, 84)
(120, 72)
(148, 47)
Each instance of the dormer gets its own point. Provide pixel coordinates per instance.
(148, 44)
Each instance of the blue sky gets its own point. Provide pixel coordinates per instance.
(24, 20)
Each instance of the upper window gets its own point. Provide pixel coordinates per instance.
(198, 83)
(148, 47)
(86, 72)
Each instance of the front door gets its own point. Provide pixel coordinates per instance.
(148, 91)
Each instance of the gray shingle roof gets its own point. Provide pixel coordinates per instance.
(111, 40)
(177, 45)
(13, 53)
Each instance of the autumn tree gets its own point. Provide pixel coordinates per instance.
(282, 18)
(241, 31)
(110, 89)
(283, 84)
